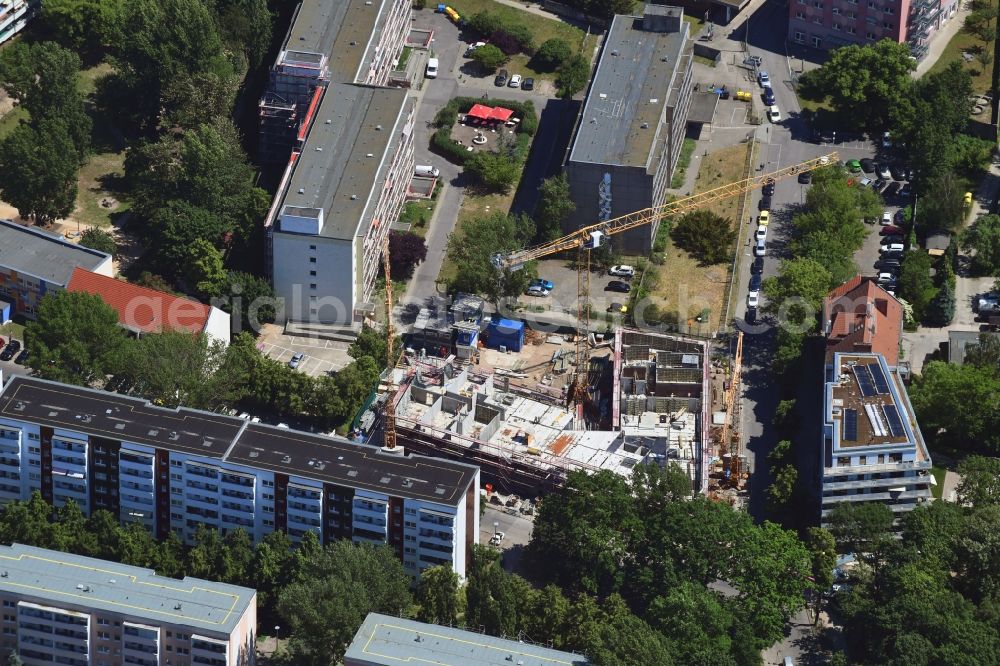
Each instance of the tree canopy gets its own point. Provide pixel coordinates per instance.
(706, 236)
(982, 239)
(472, 248)
(956, 406)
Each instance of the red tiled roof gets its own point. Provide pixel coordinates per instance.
(141, 309)
(861, 316)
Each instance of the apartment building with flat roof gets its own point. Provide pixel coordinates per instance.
(383, 640)
(34, 263)
(830, 24)
(176, 469)
(630, 132)
(60, 608)
(343, 193)
(872, 448)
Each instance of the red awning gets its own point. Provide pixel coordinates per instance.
(480, 111)
(501, 114)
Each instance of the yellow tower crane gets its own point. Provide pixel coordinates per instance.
(593, 236)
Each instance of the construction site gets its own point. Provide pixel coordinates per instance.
(651, 399)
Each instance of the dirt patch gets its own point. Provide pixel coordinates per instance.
(684, 289)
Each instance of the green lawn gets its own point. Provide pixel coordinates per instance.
(11, 120)
(963, 41)
(12, 330)
(938, 473)
(542, 29)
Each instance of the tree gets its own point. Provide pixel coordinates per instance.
(75, 338)
(370, 342)
(170, 57)
(980, 485)
(83, 24)
(249, 299)
(956, 405)
(823, 555)
(799, 291)
(497, 172)
(244, 25)
(471, 250)
(941, 309)
(489, 57)
(705, 235)
(864, 529)
(341, 585)
(866, 84)
(555, 204)
(204, 270)
(977, 553)
(572, 76)
(985, 353)
(437, 595)
(406, 250)
(552, 54)
(100, 240)
(982, 239)
(271, 568)
(943, 203)
(915, 283)
(782, 488)
(39, 167)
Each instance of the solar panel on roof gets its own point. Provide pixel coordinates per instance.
(892, 418)
(851, 425)
(864, 380)
(878, 378)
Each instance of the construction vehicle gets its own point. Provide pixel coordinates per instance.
(594, 236)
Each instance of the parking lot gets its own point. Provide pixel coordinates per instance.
(563, 296)
(320, 356)
(516, 530)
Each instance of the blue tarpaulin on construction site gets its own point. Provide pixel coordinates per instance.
(507, 333)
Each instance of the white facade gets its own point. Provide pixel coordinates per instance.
(316, 276)
(875, 464)
(14, 15)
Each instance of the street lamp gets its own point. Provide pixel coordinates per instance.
(277, 629)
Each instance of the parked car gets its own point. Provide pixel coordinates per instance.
(295, 360)
(515, 81)
(865, 182)
(764, 203)
(10, 350)
(755, 281)
(753, 299)
(886, 140)
(888, 264)
(768, 189)
(892, 190)
(885, 277)
(760, 249)
(432, 68)
(617, 308)
(806, 177)
(897, 172)
(426, 170)
(537, 290)
(867, 165)
(878, 185)
(757, 267)
(889, 246)
(761, 233)
(854, 166)
(764, 218)
(623, 270)
(472, 47)
(22, 357)
(768, 96)
(905, 191)
(883, 172)
(501, 80)
(763, 78)
(619, 286)
(773, 114)
(528, 84)
(752, 60)
(886, 218)
(890, 230)
(544, 284)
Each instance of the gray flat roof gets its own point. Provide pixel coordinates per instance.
(384, 640)
(334, 165)
(43, 255)
(63, 579)
(341, 30)
(630, 88)
(229, 439)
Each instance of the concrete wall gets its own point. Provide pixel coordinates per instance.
(332, 300)
(631, 190)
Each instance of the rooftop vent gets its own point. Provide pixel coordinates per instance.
(119, 426)
(153, 432)
(353, 43)
(384, 479)
(174, 436)
(302, 190)
(328, 121)
(254, 454)
(439, 490)
(3, 574)
(370, 155)
(378, 128)
(19, 406)
(614, 52)
(177, 606)
(353, 197)
(654, 100)
(206, 443)
(112, 581)
(352, 473)
(644, 126)
(319, 149)
(286, 459)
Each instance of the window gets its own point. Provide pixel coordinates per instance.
(33, 435)
(312, 247)
(312, 260)
(34, 449)
(851, 30)
(312, 273)
(836, 11)
(817, 42)
(871, 21)
(800, 37)
(312, 285)
(851, 15)
(817, 4)
(887, 25)
(836, 26)
(103, 621)
(870, 35)
(818, 20)
(800, 15)
(269, 484)
(888, 10)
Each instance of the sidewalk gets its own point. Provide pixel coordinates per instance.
(941, 40)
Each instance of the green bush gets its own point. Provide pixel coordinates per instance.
(445, 146)
(573, 76)
(551, 55)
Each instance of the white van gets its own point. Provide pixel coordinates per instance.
(432, 68)
(426, 170)
(891, 247)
